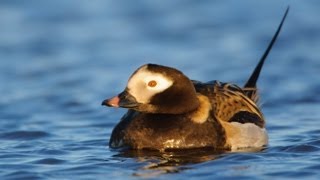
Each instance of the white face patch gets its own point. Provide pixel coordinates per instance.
(145, 84)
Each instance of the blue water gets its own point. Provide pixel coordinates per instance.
(60, 59)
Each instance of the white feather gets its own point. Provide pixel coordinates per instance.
(249, 135)
(138, 84)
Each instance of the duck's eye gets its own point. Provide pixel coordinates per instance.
(152, 83)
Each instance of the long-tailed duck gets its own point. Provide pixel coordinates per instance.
(167, 110)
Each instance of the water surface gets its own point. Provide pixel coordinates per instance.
(60, 59)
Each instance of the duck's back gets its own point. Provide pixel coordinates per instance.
(230, 103)
(237, 112)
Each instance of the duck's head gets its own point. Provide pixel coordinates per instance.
(157, 89)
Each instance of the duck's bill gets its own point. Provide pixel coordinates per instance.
(124, 100)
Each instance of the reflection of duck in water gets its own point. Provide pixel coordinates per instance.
(155, 163)
(169, 111)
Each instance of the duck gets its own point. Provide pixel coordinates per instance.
(169, 111)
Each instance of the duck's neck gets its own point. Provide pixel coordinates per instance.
(173, 101)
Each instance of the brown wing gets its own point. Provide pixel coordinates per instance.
(230, 103)
(252, 93)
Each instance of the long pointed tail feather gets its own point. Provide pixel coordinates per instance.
(250, 86)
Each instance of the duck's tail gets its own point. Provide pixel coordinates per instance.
(250, 88)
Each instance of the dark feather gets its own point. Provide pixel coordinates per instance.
(250, 87)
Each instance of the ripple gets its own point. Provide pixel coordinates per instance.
(303, 148)
(243, 157)
(313, 167)
(49, 161)
(23, 175)
(52, 152)
(290, 174)
(24, 135)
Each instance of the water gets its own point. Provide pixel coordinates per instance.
(60, 59)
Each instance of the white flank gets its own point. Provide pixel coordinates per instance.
(249, 135)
